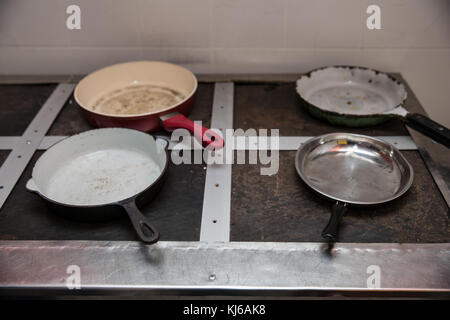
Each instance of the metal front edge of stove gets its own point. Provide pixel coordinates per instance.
(234, 268)
(229, 268)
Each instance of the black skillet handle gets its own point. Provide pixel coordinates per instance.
(331, 230)
(145, 230)
(428, 127)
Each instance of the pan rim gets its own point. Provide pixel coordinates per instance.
(137, 115)
(387, 114)
(308, 143)
(114, 203)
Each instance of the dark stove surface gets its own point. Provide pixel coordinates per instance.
(282, 208)
(276, 208)
(19, 105)
(176, 211)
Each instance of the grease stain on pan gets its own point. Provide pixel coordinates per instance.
(137, 99)
(102, 177)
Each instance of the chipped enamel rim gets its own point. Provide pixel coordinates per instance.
(341, 75)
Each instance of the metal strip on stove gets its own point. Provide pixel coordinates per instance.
(400, 142)
(293, 143)
(436, 158)
(215, 224)
(8, 143)
(285, 143)
(49, 141)
(24, 148)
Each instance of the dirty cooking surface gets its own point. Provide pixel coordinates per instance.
(263, 208)
(281, 207)
(175, 211)
(277, 106)
(19, 105)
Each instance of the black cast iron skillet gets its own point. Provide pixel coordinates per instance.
(101, 174)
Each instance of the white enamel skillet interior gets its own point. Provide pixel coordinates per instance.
(355, 92)
(352, 90)
(89, 172)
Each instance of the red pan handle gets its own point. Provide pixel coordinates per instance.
(208, 136)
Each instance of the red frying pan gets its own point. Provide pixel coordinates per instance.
(142, 95)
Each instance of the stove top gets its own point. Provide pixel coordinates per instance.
(276, 208)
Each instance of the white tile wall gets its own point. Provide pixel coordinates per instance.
(106, 23)
(36, 60)
(175, 23)
(234, 36)
(411, 24)
(248, 24)
(325, 24)
(428, 72)
(86, 59)
(254, 61)
(32, 23)
(192, 58)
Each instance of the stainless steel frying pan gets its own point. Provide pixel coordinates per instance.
(352, 169)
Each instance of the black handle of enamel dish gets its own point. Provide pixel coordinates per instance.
(141, 223)
(330, 232)
(428, 127)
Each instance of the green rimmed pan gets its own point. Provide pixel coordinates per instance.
(360, 97)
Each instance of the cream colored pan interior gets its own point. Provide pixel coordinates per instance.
(135, 88)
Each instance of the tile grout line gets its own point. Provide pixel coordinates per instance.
(24, 147)
(215, 225)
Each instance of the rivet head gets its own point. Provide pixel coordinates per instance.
(28, 141)
(212, 277)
